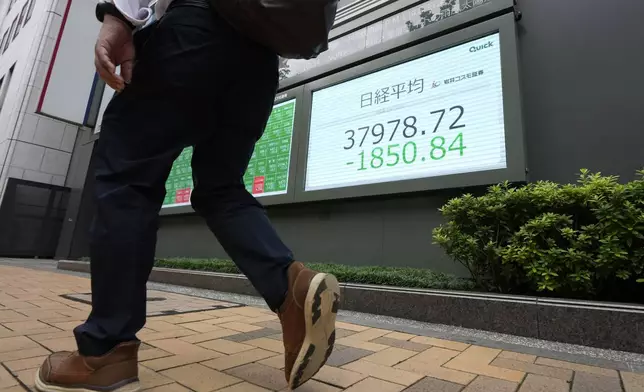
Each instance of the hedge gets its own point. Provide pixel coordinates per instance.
(583, 240)
(388, 276)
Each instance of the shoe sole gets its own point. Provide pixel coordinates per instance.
(42, 386)
(320, 310)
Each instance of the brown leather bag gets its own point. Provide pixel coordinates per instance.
(295, 29)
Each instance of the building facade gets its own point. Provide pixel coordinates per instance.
(32, 147)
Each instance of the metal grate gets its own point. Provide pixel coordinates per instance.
(162, 303)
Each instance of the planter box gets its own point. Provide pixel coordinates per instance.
(595, 324)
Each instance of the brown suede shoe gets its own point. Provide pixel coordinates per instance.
(116, 371)
(308, 322)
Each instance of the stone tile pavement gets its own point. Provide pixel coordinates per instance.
(203, 345)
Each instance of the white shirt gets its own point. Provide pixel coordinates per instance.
(139, 12)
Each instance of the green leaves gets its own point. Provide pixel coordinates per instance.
(583, 240)
(388, 276)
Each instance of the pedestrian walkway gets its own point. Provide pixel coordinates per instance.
(203, 345)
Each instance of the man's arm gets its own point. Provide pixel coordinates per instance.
(114, 47)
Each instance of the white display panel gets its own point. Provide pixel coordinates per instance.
(438, 115)
(71, 74)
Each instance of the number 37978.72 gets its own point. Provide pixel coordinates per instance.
(408, 126)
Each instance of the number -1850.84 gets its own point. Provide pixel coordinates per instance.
(395, 154)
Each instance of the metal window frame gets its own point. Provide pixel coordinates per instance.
(514, 132)
(296, 94)
(94, 103)
(490, 10)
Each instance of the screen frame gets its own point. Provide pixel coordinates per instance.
(296, 94)
(516, 170)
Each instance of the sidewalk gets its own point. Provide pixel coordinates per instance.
(206, 345)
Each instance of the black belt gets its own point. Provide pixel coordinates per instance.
(189, 3)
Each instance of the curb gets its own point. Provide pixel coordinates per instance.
(596, 324)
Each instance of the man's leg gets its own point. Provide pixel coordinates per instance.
(305, 301)
(132, 166)
(219, 161)
(144, 129)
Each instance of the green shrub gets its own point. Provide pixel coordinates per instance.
(210, 265)
(389, 276)
(583, 241)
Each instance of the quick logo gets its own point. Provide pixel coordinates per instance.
(476, 48)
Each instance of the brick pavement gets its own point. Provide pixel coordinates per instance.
(201, 345)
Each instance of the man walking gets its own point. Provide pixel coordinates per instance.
(197, 82)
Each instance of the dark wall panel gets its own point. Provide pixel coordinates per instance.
(394, 231)
(583, 86)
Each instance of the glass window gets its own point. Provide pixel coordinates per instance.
(23, 14)
(5, 37)
(30, 11)
(18, 27)
(5, 86)
(12, 34)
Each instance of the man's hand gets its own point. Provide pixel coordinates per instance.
(114, 47)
